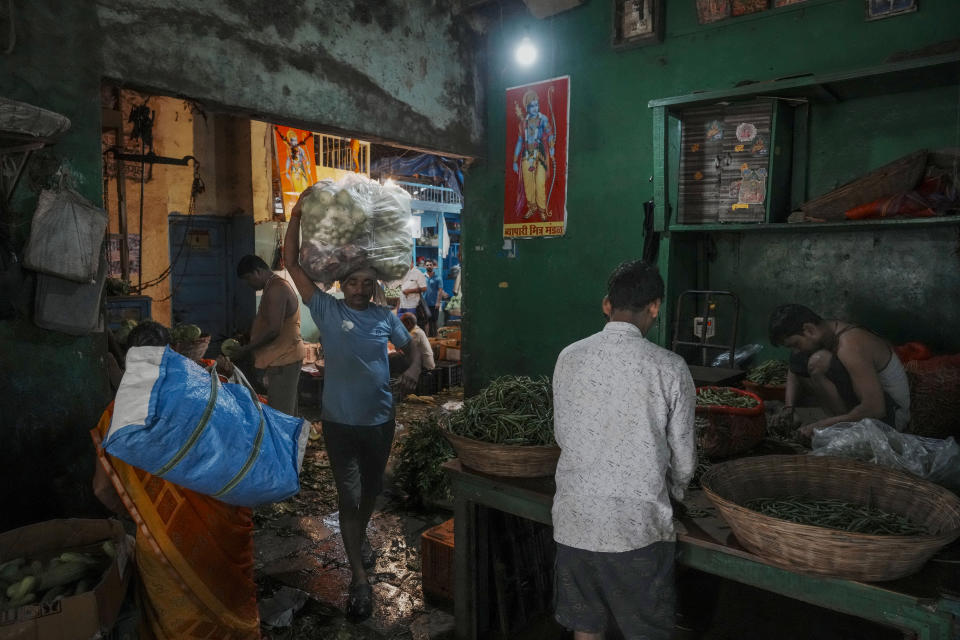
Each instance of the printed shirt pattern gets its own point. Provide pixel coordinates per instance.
(623, 416)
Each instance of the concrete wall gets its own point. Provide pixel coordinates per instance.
(521, 311)
(391, 70)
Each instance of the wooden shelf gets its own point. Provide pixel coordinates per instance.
(814, 226)
(892, 77)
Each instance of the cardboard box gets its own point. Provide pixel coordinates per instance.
(436, 560)
(79, 617)
(452, 354)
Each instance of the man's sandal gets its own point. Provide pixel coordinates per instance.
(360, 602)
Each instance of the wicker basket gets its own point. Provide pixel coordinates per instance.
(511, 461)
(828, 552)
(732, 430)
(900, 175)
(193, 349)
(767, 391)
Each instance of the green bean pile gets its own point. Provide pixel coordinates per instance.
(511, 410)
(771, 372)
(723, 398)
(836, 514)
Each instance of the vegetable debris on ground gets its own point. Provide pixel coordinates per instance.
(770, 373)
(707, 397)
(836, 514)
(511, 410)
(419, 456)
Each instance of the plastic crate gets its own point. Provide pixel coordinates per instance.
(120, 308)
(451, 374)
(428, 384)
(436, 560)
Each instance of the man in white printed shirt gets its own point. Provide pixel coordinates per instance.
(623, 416)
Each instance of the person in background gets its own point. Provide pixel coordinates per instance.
(412, 286)
(623, 417)
(420, 340)
(275, 341)
(852, 372)
(194, 562)
(358, 412)
(432, 296)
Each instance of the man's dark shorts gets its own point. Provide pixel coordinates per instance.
(633, 591)
(358, 458)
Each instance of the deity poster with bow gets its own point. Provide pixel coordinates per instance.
(535, 200)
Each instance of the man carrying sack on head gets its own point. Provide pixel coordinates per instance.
(358, 412)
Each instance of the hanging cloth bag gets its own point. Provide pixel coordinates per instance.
(177, 421)
(66, 235)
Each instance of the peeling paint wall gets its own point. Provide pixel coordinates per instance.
(397, 71)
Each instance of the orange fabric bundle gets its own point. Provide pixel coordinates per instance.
(194, 555)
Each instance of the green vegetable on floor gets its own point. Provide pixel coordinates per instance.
(770, 373)
(724, 398)
(510, 410)
(836, 514)
(419, 457)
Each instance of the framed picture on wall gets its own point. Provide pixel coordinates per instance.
(637, 22)
(877, 9)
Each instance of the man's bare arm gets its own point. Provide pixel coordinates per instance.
(291, 256)
(855, 357)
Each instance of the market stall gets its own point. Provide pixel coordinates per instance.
(925, 604)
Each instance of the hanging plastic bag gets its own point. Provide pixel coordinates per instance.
(874, 441)
(177, 421)
(740, 356)
(66, 235)
(353, 223)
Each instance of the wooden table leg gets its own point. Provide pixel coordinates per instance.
(465, 567)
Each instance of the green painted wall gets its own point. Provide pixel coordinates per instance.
(521, 311)
(54, 386)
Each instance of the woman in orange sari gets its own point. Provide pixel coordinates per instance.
(194, 553)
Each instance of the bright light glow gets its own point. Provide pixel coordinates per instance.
(526, 53)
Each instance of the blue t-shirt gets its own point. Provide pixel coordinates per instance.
(433, 290)
(356, 381)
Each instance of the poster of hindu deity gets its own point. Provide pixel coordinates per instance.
(535, 199)
(294, 149)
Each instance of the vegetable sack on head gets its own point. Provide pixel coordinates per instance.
(355, 223)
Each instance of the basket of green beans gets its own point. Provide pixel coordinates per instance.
(768, 380)
(729, 421)
(833, 516)
(507, 429)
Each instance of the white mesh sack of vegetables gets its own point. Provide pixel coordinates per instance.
(352, 223)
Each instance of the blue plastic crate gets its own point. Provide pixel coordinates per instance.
(120, 308)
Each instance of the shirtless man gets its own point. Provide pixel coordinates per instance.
(852, 372)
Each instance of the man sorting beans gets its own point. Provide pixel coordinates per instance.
(624, 420)
(851, 372)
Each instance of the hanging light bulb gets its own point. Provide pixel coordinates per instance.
(526, 52)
